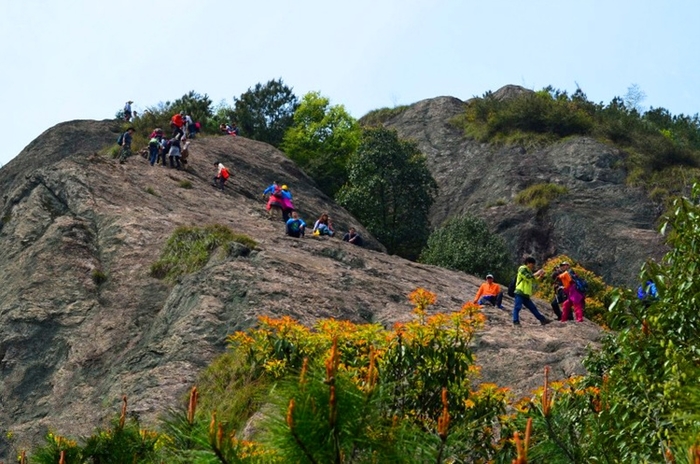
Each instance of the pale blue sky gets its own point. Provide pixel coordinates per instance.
(82, 59)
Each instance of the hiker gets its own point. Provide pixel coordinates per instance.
(287, 205)
(126, 144)
(647, 293)
(176, 123)
(489, 293)
(164, 149)
(525, 284)
(323, 226)
(174, 153)
(574, 297)
(153, 149)
(127, 111)
(559, 292)
(234, 130)
(353, 237)
(274, 202)
(189, 125)
(295, 226)
(222, 175)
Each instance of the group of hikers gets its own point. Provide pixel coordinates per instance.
(279, 198)
(569, 299)
(569, 291)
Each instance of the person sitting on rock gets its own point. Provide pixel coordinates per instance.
(353, 237)
(489, 293)
(222, 175)
(295, 226)
(324, 226)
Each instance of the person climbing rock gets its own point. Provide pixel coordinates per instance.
(274, 202)
(176, 123)
(222, 175)
(525, 284)
(174, 153)
(573, 296)
(287, 204)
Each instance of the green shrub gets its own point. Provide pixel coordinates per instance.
(466, 244)
(186, 184)
(189, 248)
(98, 277)
(539, 196)
(656, 139)
(379, 116)
(150, 191)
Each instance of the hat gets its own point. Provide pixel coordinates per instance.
(489, 276)
(130, 101)
(565, 263)
(284, 187)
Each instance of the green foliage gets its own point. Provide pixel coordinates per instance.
(466, 244)
(124, 442)
(189, 248)
(98, 277)
(655, 140)
(539, 196)
(321, 140)
(150, 191)
(186, 184)
(380, 116)
(390, 190)
(264, 112)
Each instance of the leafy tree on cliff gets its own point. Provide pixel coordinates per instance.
(466, 244)
(390, 190)
(265, 112)
(321, 140)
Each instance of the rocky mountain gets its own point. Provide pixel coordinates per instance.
(71, 346)
(605, 224)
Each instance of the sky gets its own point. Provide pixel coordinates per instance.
(83, 59)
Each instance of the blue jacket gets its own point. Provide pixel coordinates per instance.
(295, 224)
(271, 189)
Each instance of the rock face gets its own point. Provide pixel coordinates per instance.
(70, 347)
(603, 223)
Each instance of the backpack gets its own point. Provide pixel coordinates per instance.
(581, 285)
(511, 287)
(120, 140)
(224, 173)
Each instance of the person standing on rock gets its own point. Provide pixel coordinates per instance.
(127, 111)
(525, 284)
(287, 204)
(176, 123)
(126, 145)
(489, 293)
(573, 296)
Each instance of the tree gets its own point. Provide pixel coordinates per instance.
(466, 244)
(321, 140)
(390, 190)
(265, 112)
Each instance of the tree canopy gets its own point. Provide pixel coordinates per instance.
(321, 140)
(390, 190)
(265, 112)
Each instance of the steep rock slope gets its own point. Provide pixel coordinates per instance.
(608, 226)
(70, 348)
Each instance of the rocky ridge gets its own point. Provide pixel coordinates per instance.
(70, 347)
(610, 227)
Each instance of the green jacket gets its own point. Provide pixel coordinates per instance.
(526, 282)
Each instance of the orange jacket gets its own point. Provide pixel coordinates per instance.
(487, 289)
(177, 120)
